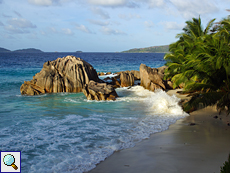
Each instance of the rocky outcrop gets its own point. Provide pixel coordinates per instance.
(133, 72)
(67, 74)
(115, 82)
(161, 71)
(102, 73)
(168, 83)
(136, 74)
(150, 78)
(99, 91)
(127, 79)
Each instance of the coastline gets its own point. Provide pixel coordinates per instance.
(198, 143)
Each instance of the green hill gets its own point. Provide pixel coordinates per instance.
(153, 49)
(29, 50)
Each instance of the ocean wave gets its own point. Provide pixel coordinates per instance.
(77, 142)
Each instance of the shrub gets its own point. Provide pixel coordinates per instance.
(226, 167)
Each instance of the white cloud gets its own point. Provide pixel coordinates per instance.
(194, 8)
(15, 30)
(32, 36)
(83, 28)
(52, 30)
(149, 24)
(19, 26)
(42, 32)
(109, 31)
(67, 31)
(103, 14)
(47, 2)
(129, 16)
(114, 3)
(98, 22)
(21, 23)
(18, 14)
(153, 3)
(8, 36)
(42, 2)
(156, 3)
(6, 16)
(108, 2)
(172, 25)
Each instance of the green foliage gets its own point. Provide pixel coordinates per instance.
(200, 60)
(226, 167)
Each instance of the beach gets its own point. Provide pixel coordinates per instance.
(130, 134)
(198, 143)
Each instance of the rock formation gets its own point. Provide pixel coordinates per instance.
(150, 78)
(136, 74)
(127, 79)
(115, 82)
(99, 91)
(67, 74)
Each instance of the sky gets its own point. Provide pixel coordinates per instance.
(100, 25)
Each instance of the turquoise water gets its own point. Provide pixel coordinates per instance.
(64, 132)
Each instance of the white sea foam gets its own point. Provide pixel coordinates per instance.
(72, 100)
(107, 75)
(159, 102)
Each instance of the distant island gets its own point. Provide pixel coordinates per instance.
(4, 50)
(152, 49)
(29, 50)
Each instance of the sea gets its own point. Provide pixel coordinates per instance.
(65, 132)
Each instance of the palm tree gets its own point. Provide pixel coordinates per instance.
(200, 60)
(182, 50)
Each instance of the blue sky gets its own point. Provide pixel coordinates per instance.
(99, 25)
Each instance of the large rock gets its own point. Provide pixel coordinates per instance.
(127, 79)
(150, 78)
(115, 82)
(136, 74)
(133, 72)
(99, 91)
(161, 71)
(67, 74)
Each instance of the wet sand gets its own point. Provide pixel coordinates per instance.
(196, 144)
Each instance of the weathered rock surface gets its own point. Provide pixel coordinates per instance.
(99, 91)
(127, 79)
(100, 73)
(150, 78)
(136, 74)
(67, 74)
(161, 70)
(133, 72)
(115, 82)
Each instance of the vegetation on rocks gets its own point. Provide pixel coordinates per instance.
(226, 166)
(200, 60)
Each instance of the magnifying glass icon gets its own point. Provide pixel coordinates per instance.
(9, 160)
